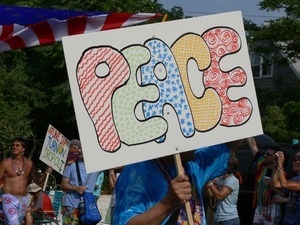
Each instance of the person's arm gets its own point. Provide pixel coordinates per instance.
(252, 145)
(291, 185)
(219, 194)
(207, 186)
(275, 179)
(112, 178)
(2, 169)
(67, 187)
(179, 192)
(234, 145)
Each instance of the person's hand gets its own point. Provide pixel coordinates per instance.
(49, 169)
(215, 180)
(180, 191)
(29, 209)
(280, 157)
(80, 189)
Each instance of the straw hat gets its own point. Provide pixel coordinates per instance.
(33, 188)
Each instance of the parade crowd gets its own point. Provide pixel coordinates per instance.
(153, 192)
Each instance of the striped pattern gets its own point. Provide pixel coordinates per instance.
(22, 27)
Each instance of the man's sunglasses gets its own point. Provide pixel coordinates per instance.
(296, 160)
(269, 154)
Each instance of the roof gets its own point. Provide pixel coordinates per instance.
(296, 67)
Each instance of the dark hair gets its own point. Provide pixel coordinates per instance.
(275, 148)
(232, 164)
(23, 141)
(296, 147)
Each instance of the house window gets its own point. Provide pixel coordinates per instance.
(260, 66)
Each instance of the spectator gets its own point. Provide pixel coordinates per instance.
(292, 186)
(150, 192)
(267, 209)
(39, 205)
(113, 176)
(98, 185)
(17, 170)
(72, 188)
(226, 193)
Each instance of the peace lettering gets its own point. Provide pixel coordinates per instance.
(114, 84)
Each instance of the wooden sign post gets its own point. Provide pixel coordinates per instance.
(180, 170)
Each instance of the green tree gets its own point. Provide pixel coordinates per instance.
(43, 71)
(282, 34)
(281, 39)
(14, 105)
(274, 122)
(291, 110)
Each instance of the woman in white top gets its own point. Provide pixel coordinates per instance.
(225, 190)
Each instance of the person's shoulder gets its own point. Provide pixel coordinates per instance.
(29, 162)
(6, 161)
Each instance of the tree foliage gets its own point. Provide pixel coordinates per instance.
(281, 123)
(275, 123)
(41, 93)
(279, 108)
(279, 35)
(35, 91)
(14, 105)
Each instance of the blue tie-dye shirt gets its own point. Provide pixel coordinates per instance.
(140, 186)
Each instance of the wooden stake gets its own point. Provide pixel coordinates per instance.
(46, 181)
(165, 18)
(180, 170)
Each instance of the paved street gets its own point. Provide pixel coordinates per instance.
(103, 204)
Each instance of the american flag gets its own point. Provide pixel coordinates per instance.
(22, 27)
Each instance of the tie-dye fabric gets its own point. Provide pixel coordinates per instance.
(140, 186)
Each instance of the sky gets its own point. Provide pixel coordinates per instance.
(250, 9)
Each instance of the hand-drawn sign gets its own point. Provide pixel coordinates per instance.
(148, 91)
(55, 149)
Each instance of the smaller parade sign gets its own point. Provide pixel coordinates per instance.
(55, 149)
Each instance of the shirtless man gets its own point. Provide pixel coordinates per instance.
(17, 171)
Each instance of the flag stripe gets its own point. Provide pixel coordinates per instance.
(138, 18)
(59, 28)
(76, 25)
(29, 37)
(43, 32)
(95, 23)
(47, 25)
(15, 42)
(113, 21)
(6, 31)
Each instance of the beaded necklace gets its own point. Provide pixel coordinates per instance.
(14, 167)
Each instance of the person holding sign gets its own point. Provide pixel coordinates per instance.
(291, 187)
(150, 192)
(265, 198)
(17, 170)
(74, 172)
